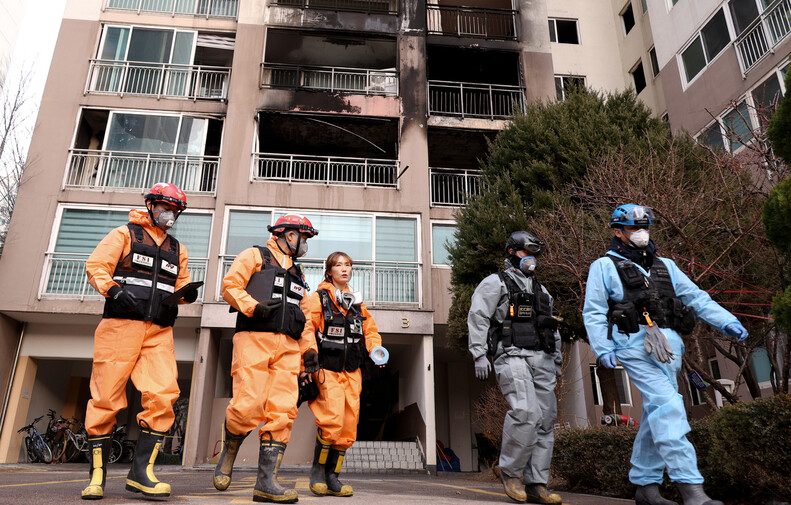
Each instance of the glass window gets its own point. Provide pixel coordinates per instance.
(150, 46)
(192, 136)
(147, 133)
(395, 239)
(441, 235)
(715, 35)
(563, 31)
(654, 61)
(82, 229)
(759, 361)
(694, 59)
(738, 126)
(714, 365)
(767, 95)
(115, 40)
(628, 18)
(712, 137)
(621, 385)
(246, 229)
(350, 234)
(638, 76)
(565, 84)
(743, 13)
(193, 230)
(644, 4)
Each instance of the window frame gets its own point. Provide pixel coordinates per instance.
(597, 385)
(124, 209)
(134, 112)
(685, 81)
(638, 64)
(576, 26)
(696, 397)
(652, 57)
(441, 222)
(275, 210)
(570, 76)
(626, 8)
(131, 28)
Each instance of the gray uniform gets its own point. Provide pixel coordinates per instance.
(527, 381)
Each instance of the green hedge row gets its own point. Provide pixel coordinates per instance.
(744, 453)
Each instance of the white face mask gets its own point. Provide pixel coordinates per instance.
(640, 238)
(165, 219)
(528, 264)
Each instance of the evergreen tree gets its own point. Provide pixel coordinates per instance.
(779, 131)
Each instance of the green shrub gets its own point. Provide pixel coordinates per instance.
(744, 454)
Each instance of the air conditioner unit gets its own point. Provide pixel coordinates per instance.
(728, 385)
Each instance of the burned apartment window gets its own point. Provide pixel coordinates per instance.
(638, 77)
(563, 31)
(628, 18)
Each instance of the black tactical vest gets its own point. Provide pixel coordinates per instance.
(149, 272)
(654, 296)
(273, 282)
(342, 343)
(528, 323)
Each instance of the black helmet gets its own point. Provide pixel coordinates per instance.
(524, 241)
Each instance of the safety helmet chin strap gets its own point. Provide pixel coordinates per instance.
(293, 250)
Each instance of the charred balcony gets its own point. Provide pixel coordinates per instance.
(365, 6)
(332, 63)
(324, 149)
(454, 157)
(480, 19)
(472, 83)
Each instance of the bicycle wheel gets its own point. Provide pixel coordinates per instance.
(32, 455)
(81, 444)
(70, 451)
(129, 451)
(116, 452)
(58, 447)
(42, 450)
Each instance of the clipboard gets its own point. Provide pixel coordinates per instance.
(175, 297)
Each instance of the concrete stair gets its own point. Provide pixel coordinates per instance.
(385, 457)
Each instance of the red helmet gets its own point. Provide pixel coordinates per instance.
(168, 193)
(293, 222)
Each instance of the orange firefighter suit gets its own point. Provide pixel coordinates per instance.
(265, 365)
(124, 348)
(337, 407)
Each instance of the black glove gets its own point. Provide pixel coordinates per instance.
(126, 301)
(311, 361)
(266, 307)
(190, 296)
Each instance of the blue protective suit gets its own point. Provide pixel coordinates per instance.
(661, 441)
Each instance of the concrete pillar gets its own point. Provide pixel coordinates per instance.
(459, 415)
(204, 369)
(428, 408)
(18, 407)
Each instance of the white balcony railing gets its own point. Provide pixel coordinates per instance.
(329, 170)
(208, 8)
(64, 276)
(158, 80)
(332, 79)
(139, 171)
(381, 283)
(451, 187)
(478, 22)
(764, 34)
(465, 99)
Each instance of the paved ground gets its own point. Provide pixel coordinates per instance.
(36, 484)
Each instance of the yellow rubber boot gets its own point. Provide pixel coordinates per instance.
(224, 469)
(267, 489)
(99, 447)
(141, 478)
(333, 469)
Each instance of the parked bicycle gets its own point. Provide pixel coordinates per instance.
(65, 444)
(35, 446)
(121, 449)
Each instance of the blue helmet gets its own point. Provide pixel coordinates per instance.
(632, 215)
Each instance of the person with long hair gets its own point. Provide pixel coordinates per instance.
(346, 335)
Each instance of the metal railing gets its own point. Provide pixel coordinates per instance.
(380, 282)
(367, 6)
(64, 276)
(764, 34)
(333, 79)
(466, 99)
(208, 8)
(158, 79)
(478, 22)
(451, 187)
(329, 170)
(138, 171)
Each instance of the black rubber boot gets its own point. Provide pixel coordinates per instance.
(649, 495)
(318, 478)
(693, 494)
(538, 493)
(141, 478)
(99, 447)
(267, 489)
(230, 448)
(331, 472)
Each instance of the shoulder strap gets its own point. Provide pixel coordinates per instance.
(661, 278)
(266, 256)
(174, 245)
(326, 305)
(135, 231)
(510, 284)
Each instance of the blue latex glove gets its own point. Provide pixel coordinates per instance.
(608, 360)
(737, 331)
